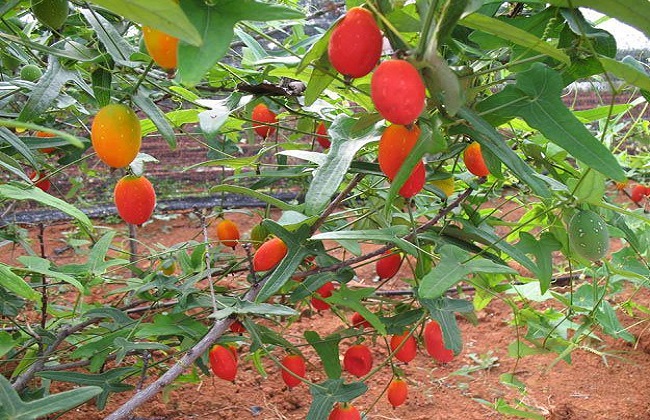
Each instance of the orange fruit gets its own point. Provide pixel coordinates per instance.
(162, 48)
(135, 199)
(116, 135)
(269, 254)
(397, 392)
(473, 159)
(228, 233)
(262, 118)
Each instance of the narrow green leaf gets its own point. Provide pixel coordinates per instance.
(626, 72)
(147, 105)
(6, 343)
(442, 310)
(14, 283)
(328, 351)
(118, 48)
(254, 194)
(46, 91)
(351, 298)
(101, 80)
(15, 142)
(325, 394)
(542, 250)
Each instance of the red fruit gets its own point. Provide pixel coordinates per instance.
(388, 265)
(397, 90)
(134, 198)
(223, 362)
(237, 327)
(357, 360)
(407, 352)
(40, 181)
(324, 291)
(395, 145)
(473, 159)
(435, 344)
(639, 192)
(345, 411)
(228, 233)
(45, 134)
(358, 321)
(262, 116)
(269, 254)
(397, 392)
(321, 136)
(415, 182)
(355, 44)
(296, 364)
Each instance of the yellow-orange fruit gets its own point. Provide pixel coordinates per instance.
(228, 233)
(116, 135)
(473, 159)
(135, 199)
(162, 48)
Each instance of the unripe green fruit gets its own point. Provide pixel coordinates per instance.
(31, 73)
(51, 13)
(588, 235)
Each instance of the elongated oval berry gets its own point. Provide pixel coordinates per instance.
(355, 44)
(639, 192)
(357, 360)
(223, 362)
(237, 327)
(473, 159)
(345, 411)
(388, 265)
(116, 135)
(395, 145)
(51, 13)
(324, 291)
(434, 343)
(258, 235)
(398, 92)
(296, 364)
(588, 235)
(358, 321)
(408, 350)
(269, 254)
(228, 233)
(135, 199)
(321, 136)
(162, 48)
(397, 392)
(40, 181)
(264, 120)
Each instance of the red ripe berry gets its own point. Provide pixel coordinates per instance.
(407, 352)
(639, 192)
(395, 145)
(473, 159)
(296, 364)
(269, 254)
(321, 136)
(397, 392)
(237, 327)
(223, 362)
(398, 92)
(324, 291)
(388, 265)
(345, 411)
(228, 233)
(358, 321)
(357, 360)
(134, 198)
(40, 181)
(435, 344)
(355, 44)
(264, 120)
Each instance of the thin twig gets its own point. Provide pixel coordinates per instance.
(334, 204)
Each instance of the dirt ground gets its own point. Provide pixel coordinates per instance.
(610, 385)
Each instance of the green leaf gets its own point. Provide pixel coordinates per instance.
(14, 283)
(245, 307)
(607, 318)
(391, 234)
(254, 194)
(454, 266)
(101, 80)
(164, 15)
(17, 191)
(513, 34)
(6, 343)
(12, 407)
(15, 142)
(321, 77)
(216, 23)
(351, 298)
(626, 71)
(327, 393)
(328, 177)
(442, 310)
(124, 346)
(38, 265)
(118, 48)
(590, 188)
(144, 102)
(542, 250)
(328, 351)
(536, 99)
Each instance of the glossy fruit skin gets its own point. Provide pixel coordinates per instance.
(398, 92)
(162, 48)
(40, 181)
(639, 192)
(262, 116)
(435, 344)
(296, 364)
(228, 233)
(355, 44)
(321, 136)
(324, 291)
(237, 327)
(397, 392)
(269, 254)
(223, 362)
(474, 161)
(388, 265)
(116, 135)
(395, 145)
(51, 13)
(409, 349)
(135, 199)
(357, 360)
(358, 321)
(344, 412)
(258, 235)
(588, 235)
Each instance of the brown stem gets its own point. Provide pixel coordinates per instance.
(336, 202)
(133, 245)
(44, 297)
